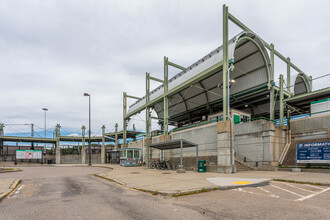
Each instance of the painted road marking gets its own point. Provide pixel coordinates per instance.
(255, 193)
(286, 190)
(265, 190)
(15, 193)
(313, 194)
(242, 182)
(297, 187)
(316, 187)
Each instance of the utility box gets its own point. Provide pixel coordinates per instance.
(202, 166)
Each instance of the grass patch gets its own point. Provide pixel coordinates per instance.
(176, 195)
(155, 193)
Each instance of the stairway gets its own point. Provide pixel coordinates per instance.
(241, 166)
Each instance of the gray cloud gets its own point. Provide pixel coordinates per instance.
(51, 52)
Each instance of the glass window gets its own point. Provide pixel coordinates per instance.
(123, 153)
(136, 154)
(221, 118)
(244, 118)
(215, 118)
(129, 153)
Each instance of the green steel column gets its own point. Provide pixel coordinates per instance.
(124, 114)
(288, 75)
(272, 104)
(165, 96)
(311, 82)
(147, 104)
(1, 134)
(225, 63)
(116, 136)
(281, 100)
(272, 58)
(103, 145)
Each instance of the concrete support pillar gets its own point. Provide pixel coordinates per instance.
(57, 146)
(147, 142)
(83, 149)
(116, 136)
(103, 145)
(223, 148)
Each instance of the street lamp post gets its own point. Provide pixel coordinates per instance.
(45, 110)
(89, 130)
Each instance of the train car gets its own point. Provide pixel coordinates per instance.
(130, 157)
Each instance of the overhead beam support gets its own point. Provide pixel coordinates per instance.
(288, 75)
(133, 97)
(176, 66)
(156, 79)
(245, 28)
(325, 90)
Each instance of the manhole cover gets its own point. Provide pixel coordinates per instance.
(135, 172)
(166, 173)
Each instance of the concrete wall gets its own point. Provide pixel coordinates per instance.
(304, 130)
(76, 159)
(260, 141)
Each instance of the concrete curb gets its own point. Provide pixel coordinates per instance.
(12, 188)
(179, 193)
(9, 171)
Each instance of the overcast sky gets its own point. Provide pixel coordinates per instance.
(51, 52)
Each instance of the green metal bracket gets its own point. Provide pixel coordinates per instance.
(176, 65)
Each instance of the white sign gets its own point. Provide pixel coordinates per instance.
(28, 154)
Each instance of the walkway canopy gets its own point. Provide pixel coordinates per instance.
(174, 144)
(198, 89)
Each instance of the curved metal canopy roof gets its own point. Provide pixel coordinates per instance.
(252, 70)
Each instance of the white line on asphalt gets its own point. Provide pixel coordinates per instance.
(297, 187)
(313, 194)
(265, 190)
(286, 190)
(260, 194)
(316, 187)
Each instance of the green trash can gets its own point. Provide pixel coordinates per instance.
(202, 166)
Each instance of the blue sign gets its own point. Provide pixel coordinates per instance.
(317, 152)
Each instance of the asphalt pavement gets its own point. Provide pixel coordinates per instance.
(75, 193)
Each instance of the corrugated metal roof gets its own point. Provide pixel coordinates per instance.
(250, 71)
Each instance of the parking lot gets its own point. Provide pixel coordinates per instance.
(284, 190)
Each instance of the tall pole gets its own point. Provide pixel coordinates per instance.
(89, 128)
(45, 110)
(89, 133)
